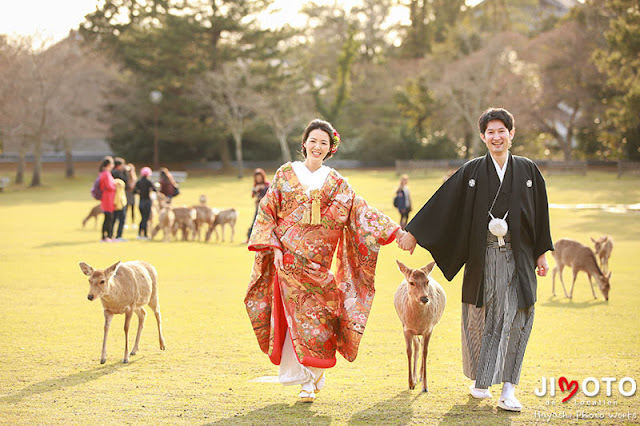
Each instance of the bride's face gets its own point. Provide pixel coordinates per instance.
(317, 146)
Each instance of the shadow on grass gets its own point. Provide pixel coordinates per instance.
(66, 243)
(71, 380)
(396, 410)
(473, 412)
(299, 413)
(563, 302)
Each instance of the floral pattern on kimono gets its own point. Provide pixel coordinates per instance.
(324, 313)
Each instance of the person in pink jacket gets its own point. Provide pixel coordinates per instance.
(108, 188)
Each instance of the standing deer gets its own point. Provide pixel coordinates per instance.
(420, 303)
(580, 258)
(124, 288)
(604, 247)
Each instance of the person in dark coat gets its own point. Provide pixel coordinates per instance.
(492, 216)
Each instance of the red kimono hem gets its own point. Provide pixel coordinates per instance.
(280, 331)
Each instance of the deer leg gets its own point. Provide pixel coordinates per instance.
(575, 274)
(425, 351)
(553, 280)
(222, 231)
(416, 348)
(233, 231)
(127, 321)
(153, 304)
(141, 313)
(408, 338)
(107, 323)
(563, 286)
(591, 283)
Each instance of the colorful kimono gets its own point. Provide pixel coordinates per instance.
(322, 312)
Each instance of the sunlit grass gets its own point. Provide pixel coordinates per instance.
(51, 335)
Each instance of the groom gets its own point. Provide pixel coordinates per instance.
(506, 194)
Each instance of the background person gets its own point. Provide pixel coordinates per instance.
(260, 187)
(168, 186)
(131, 197)
(108, 188)
(143, 188)
(402, 200)
(119, 172)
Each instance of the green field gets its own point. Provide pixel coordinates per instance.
(51, 335)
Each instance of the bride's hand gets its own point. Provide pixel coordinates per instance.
(277, 258)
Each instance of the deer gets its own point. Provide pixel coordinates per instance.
(579, 257)
(166, 219)
(604, 247)
(124, 288)
(222, 218)
(93, 213)
(419, 302)
(204, 215)
(184, 220)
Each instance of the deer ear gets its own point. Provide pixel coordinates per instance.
(609, 276)
(593, 240)
(111, 270)
(406, 271)
(427, 269)
(86, 269)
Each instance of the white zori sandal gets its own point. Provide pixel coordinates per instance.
(510, 404)
(306, 396)
(307, 393)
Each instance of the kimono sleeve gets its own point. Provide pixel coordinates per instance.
(365, 231)
(543, 241)
(263, 236)
(442, 225)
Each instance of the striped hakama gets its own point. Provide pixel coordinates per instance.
(495, 336)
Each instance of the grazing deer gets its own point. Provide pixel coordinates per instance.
(420, 303)
(204, 215)
(580, 258)
(222, 218)
(166, 219)
(94, 213)
(124, 288)
(185, 217)
(604, 247)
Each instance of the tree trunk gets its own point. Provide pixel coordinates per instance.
(237, 138)
(225, 155)
(284, 146)
(36, 177)
(68, 159)
(21, 162)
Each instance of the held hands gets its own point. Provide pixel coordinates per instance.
(406, 241)
(542, 265)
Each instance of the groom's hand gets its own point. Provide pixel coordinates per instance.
(407, 242)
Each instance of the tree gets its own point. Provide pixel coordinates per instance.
(229, 95)
(430, 22)
(560, 83)
(471, 82)
(166, 45)
(620, 61)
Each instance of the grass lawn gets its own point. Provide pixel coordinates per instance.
(51, 335)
